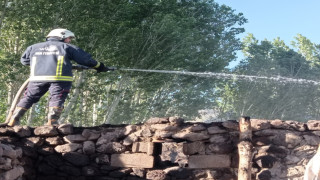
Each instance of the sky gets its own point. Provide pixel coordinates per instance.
(269, 19)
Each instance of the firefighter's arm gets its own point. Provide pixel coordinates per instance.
(84, 58)
(25, 58)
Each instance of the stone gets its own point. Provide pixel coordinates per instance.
(264, 175)
(140, 172)
(46, 150)
(266, 161)
(304, 150)
(299, 126)
(293, 171)
(157, 120)
(279, 124)
(311, 140)
(173, 152)
(74, 138)
(76, 159)
(259, 124)
(91, 135)
(22, 131)
(163, 134)
(65, 129)
(262, 141)
(111, 147)
(130, 139)
(143, 147)
(164, 127)
(197, 128)
(193, 148)
(68, 148)
(281, 137)
(29, 152)
(46, 131)
(89, 171)
(157, 175)
(89, 147)
(209, 161)
(178, 172)
(268, 132)
(231, 124)
(176, 120)
(132, 160)
(191, 136)
(107, 137)
(224, 148)
(103, 159)
(277, 151)
(54, 141)
(219, 138)
(291, 159)
(288, 139)
(8, 151)
(129, 129)
(12, 174)
(313, 125)
(9, 139)
(33, 141)
(317, 133)
(216, 130)
(146, 132)
(5, 163)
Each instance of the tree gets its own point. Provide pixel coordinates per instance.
(169, 35)
(271, 99)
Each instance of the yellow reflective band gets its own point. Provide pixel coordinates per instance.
(33, 66)
(51, 78)
(98, 64)
(59, 66)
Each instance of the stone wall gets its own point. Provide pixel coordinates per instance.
(161, 148)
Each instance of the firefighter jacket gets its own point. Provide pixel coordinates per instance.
(51, 60)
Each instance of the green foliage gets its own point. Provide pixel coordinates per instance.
(271, 99)
(154, 34)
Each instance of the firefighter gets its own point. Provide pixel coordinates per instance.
(51, 70)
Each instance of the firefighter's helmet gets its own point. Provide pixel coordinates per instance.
(61, 34)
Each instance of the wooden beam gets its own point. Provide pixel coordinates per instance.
(245, 149)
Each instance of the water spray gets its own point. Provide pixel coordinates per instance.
(229, 76)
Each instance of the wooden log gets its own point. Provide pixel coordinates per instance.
(245, 149)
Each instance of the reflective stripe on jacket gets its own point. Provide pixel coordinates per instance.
(51, 60)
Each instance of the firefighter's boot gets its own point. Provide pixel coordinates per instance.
(54, 115)
(17, 114)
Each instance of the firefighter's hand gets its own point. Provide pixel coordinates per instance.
(103, 68)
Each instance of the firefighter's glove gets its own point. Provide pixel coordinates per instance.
(103, 68)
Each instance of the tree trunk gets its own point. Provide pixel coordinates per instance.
(31, 115)
(123, 83)
(3, 12)
(245, 149)
(73, 100)
(80, 112)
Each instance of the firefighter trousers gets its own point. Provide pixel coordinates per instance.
(58, 93)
